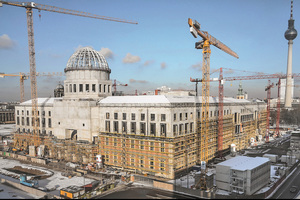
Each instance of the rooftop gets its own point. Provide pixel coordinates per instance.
(243, 163)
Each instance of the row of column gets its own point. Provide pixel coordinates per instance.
(7, 116)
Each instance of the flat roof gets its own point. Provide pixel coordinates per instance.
(165, 99)
(41, 101)
(243, 163)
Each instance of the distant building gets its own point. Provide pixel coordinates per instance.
(243, 175)
(7, 113)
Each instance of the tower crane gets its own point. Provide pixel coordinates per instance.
(29, 6)
(119, 84)
(207, 40)
(24, 76)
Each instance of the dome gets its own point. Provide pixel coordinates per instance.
(87, 58)
(59, 86)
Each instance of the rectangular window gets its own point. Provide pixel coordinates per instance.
(107, 158)
(175, 130)
(162, 165)
(80, 87)
(142, 145)
(93, 87)
(74, 88)
(43, 113)
(124, 126)
(142, 162)
(87, 87)
(151, 146)
(191, 127)
(142, 116)
(151, 163)
(107, 141)
(70, 88)
(43, 122)
(49, 123)
(132, 144)
(180, 116)
(163, 130)
(108, 88)
(49, 113)
(174, 118)
(163, 117)
(100, 87)
(186, 128)
(133, 127)
(22, 121)
(17, 112)
(104, 86)
(124, 116)
(132, 162)
(18, 121)
(186, 116)
(107, 115)
(115, 115)
(132, 116)
(116, 126)
(180, 129)
(191, 115)
(115, 142)
(143, 128)
(107, 126)
(152, 129)
(27, 112)
(27, 121)
(152, 117)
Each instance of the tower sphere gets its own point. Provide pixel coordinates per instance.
(87, 58)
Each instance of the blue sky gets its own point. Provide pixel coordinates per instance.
(160, 47)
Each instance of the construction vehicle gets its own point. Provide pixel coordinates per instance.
(29, 183)
(29, 6)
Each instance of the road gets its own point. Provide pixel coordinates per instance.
(284, 191)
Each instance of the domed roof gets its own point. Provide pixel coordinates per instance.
(87, 58)
(59, 86)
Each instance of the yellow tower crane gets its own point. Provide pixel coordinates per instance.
(207, 40)
(29, 6)
(22, 78)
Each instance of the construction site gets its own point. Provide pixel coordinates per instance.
(88, 123)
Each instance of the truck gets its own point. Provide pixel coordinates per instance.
(29, 183)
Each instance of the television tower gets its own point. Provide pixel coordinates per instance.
(290, 35)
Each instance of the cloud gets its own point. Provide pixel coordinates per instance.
(137, 81)
(6, 42)
(148, 62)
(129, 58)
(107, 53)
(163, 65)
(197, 66)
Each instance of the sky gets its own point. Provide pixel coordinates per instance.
(159, 50)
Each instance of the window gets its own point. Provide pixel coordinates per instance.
(107, 126)
(186, 116)
(151, 163)
(93, 87)
(174, 118)
(100, 87)
(124, 126)
(132, 162)
(116, 126)
(191, 127)
(27, 112)
(107, 158)
(152, 129)
(132, 144)
(115, 115)
(142, 162)
(162, 145)
(49, 123)
(43, 113)
(180, 116)
(80, 87)
(43, 122)
(151, 146)
(70, 88)
(180, 129)
(27, 121)
(132, 116)
(186, 128)
(107, 115)
(18, 121)
(124, 116)
(162, 165)
(74, 88)
(107, 141)
(104, 88)
(142, 145)
(142, 116)
(17, 112)
(191, 115)
(163, 130)
(115, 142)
(87, 87)
(49, 113)
(175, 129)
(163, 117)
(133, 127)
(108, 88)
(115, 159)
(143, 127)
(22, 121)
(152, 117)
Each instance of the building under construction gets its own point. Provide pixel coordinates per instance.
(151, 134)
